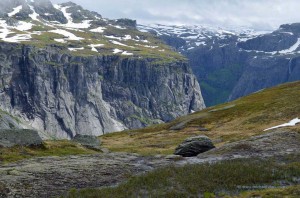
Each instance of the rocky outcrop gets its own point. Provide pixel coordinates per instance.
(194, 146)
(65, 95)
(91, 142)
(19, 137)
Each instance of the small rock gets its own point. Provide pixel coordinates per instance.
(91, 142)
(194, 146)
(173, 157)
(202, 129)
(178, 127)
(105, 150)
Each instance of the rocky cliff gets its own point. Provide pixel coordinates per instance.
(65, 95)
(83, 74)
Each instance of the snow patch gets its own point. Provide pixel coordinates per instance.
(292, 48)
(60, 40)
(98, 30)
(34, 15)
(121, 44)
(200, 43)
(15, 11)
(84, 25)
(127, 53)
(114, 37)
(127, 37)
(67, 34)
(291, 123)
(116, 51)
(24, 26)
(75, 49)
(93, 46)
(17, 38)
(119, 27)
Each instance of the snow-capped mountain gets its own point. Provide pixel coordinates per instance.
(233, 62)
(205, 35)
(68, 24)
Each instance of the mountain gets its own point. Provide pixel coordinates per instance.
(234, 62)
(66, 71)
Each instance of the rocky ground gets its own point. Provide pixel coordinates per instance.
(54, 176)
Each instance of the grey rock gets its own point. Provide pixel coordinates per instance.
(64, 95)
(178, 126)
(19, 137)
(91, 142)
(280, 142)
(193, 146)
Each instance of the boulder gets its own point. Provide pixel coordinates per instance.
(19, 137)
(88, 141)
(194, 146)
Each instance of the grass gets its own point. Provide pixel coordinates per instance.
(228, 178)
(228, 122)
(49, 148)
(165, 56)
(287, 192)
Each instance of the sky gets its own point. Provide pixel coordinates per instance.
(256, 14)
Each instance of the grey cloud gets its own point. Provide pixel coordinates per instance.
(258, 14)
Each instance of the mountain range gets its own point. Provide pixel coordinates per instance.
(70, 78)
(233, 62)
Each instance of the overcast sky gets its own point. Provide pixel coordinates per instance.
(257, 14)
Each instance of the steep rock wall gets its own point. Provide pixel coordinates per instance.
(65, 95)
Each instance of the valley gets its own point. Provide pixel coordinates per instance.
(233, 62)
(98, 107)
(244, 142)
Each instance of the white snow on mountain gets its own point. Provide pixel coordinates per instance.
(99, 29)
(15, 11)
(69, 35)
(84, 25)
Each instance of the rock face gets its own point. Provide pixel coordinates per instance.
(194, 146)
(21, 137)
(233, 63)
(66, 95)
(66, 71)
(91, 142)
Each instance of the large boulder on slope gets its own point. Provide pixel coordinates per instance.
(19, 137)
(91, 142)
(194, 145)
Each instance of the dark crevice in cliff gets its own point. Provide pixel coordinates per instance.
(63, 126)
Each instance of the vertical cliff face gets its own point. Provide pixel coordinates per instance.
(64, 95)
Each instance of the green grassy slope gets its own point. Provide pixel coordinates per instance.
(224, 123)
(48, 148)
(224, 179)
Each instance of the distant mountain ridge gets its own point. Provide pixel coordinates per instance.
(231, 63)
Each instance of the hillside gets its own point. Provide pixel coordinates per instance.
(248, 160)
(223, 123)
